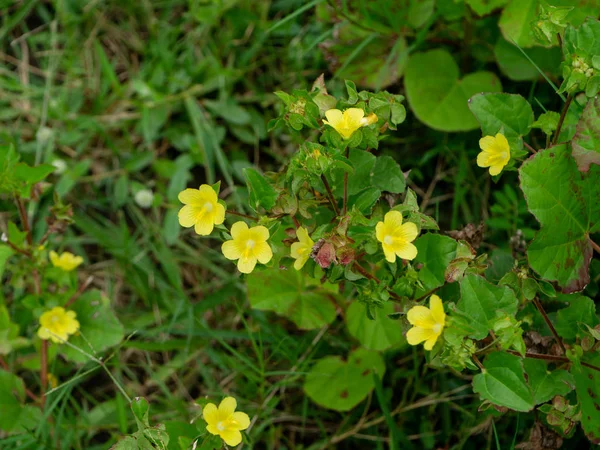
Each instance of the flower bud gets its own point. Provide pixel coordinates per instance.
(144, 198)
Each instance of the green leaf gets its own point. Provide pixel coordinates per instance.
(587, 383)
(586, 142)
(16, 416)
(547, 122)
(561, 250)
(32, 175)
(481, 302)
(99, 328)
(140, 408)
(294, 295)
(517, 67)
(435, 252)
(483, 7)
(340, 385)
(503, 383)
(544, 383)
(436, 94)
(515, 22)
(570, 321)
(5, 253)
(509, 114)
(387, 175)
(379, 334)
(261, 191)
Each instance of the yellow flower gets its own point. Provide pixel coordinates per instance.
(52, 380)
(301, 250)
(225, 422)
(248, 246)
(66, 261)
(495, 153)
(396, 237)
(202, 209)
(57, 324)
(345, 123)
(428, 323)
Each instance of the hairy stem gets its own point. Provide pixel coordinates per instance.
(561, 120)
(553, 358)
(540, 308)
(595, 246)
(246, 216)
(330, 195)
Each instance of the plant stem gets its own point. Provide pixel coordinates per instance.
(80, 291)
(330, 195)
(345, 208)
(423, 297)
(476, 360)
(370, 276)
(235, 213)
(553, 358)
(19, 250)
(44, 371)
(540, 308)
(563, 114)
(24, 220)
(595, 246)
(529, 147)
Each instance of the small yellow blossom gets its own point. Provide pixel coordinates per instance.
(301, 250)
(202, 209)
(65, 261)
(52, 380)
(248, 246)
(225, 422)
(369, 120)
(57, 324)
(345, 123)
(495, 153)
(396, 237)
(427, 323)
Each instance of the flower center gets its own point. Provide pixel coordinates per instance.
(208, 207)
(220, 426)
(54, 319)
(437, 328)
(250, 244)
(388, 240)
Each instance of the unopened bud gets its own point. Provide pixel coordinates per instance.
(60, 166)
(369, 120)
(144, 198)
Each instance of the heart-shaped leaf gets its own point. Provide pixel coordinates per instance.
(544, 383)
(502, 382)
(294, 295)
(565, 202)
(509, 114)
(437, 95)
(340, 385)
(586, 143)
(435, 253)
(378, 334)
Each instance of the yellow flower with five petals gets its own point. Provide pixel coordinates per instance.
(202, 209)
(346, 122)
(301, 250)
(225, 422)
(58, 324)
(396, 238)
(65, 261)
(495, 153)
(428, 323)
(248, 246)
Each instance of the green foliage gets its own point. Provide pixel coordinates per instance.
(587, 382)
(586, 142)
(341, 385)
(379, 333)
(437, 94)
(547, 384)
(561, 250)
(571, 321)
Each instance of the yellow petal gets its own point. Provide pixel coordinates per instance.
(238, 229)
(502, 142)
(420, 316)
(380, 231)
(212, 429)
(354, 115)
(187, 216)
(496, 169)
(296, 250)
(246, 265)
(486, 142)
(189, 196)
(210, 414)
(242, 420)
(406, 251)
(208, 193)
(54, 258)
(334, 117)
(483, 159)
(262, 252)
(302, 235)
(437, 309)
(408, 232)
(43, 333)
(227, 407)
(429, 343)
(72, 327)
(204, 226)
(300, 262)
(393, 219)
(231, 250)
(390, 254)
(259, 234)
(417, 335)
(231, 437)
(219, 217)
